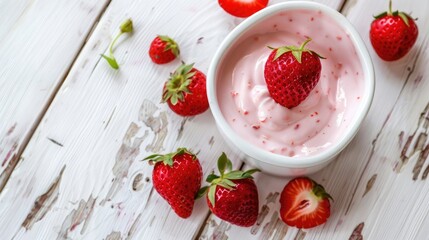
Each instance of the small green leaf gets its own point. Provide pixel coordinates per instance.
(404, 18)
(151, 157)
(187, 68)
(221, 163)
(380, 15)
(229, 182)
(201, 192)
(229, 166)
(222, 184)
(180, 96)
(174, 99)
(252, 171)
(211, 177)
(280, 51)
(234, 175)
(297, 55)
(169, 161)
(112, 61)
(320, 56)
(212, 194)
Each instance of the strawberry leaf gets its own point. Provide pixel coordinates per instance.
(211, 195)
(248, 173)
(380, 15)
(229, 165)
(174, 99)
(320, 192)
(404, 18)
(201, 192)
(222, 184)
(111, 61)
(167, 159)
(211, 177)
(170, 45)
(280, 51)
(151, 157)
(234, 175)
(229, 182)
(221, 163)
(297, 55)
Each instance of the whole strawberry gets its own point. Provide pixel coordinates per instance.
(177, 178)
(291, 73)
(163, 49)
(232, 196)
(392, 34)
(185, 91)
(304, 203)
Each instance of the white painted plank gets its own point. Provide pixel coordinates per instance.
(372, 200)
(38, 42)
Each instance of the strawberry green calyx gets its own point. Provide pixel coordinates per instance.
(319, 191)
(178, 84)
(296, 51)
(167, 159)
(125, 27)
(389, 12)
(224, 179)
(170, 45)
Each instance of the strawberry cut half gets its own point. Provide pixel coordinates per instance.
(304, 203)
(242, 8)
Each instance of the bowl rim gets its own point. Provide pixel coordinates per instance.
(266, 156)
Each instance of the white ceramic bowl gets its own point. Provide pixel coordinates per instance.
(274, 163)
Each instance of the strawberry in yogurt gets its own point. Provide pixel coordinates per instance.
(320, 119)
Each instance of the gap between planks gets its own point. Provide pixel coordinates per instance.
(51, 98)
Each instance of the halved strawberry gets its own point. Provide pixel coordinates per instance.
(242, 8)
(304, 203)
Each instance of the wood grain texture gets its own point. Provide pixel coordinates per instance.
(103, 122)
(81, 176)
(39, 40)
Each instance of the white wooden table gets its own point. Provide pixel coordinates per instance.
(73, 131)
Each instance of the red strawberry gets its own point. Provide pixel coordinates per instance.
(177, 178)
(233, 195)
(163, 49)
(392, 34)
(291, 73)
(304, 203)
(185, 91)
(242, 8)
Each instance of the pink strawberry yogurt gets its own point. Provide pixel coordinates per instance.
(316, 123)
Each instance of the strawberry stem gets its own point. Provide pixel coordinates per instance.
(126, 26)
(296, 51)
(389, 12)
